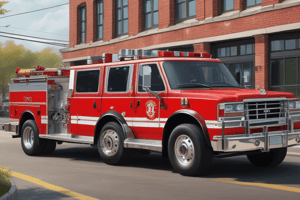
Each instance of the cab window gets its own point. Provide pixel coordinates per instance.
(118, 78)
(156, 79)
(87, 81)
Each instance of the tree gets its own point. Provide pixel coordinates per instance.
(48, 58)
(13, 56)
(2, 10)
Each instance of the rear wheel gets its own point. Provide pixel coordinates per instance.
(268, 159)
(111, 144)
(188, 151)
(31, 143)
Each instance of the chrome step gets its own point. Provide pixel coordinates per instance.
(69, 138)
(153, 145)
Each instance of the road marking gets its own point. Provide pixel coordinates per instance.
(51, 187)
(264, 185)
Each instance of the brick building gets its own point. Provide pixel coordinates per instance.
(258, 40)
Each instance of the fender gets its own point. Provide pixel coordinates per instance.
(127, 131)
(197, 117)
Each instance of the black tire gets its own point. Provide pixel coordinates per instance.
(269, 159)
(50, 147)
(111, 144)
(31, 143)
(194, 147)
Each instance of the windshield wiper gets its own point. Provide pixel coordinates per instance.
(192, 85)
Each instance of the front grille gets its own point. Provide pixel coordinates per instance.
(264, 110)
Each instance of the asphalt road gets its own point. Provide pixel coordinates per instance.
(79, 168)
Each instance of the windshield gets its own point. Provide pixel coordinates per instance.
(196, 74)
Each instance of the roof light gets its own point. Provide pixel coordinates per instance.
(181, 53)
(165, 54)
(17, 70)
(205, 55)
(194, 55)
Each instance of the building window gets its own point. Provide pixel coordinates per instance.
(252, 3)
(240, 50)
(247, 49)
(99, 19)
(121, 17)
(82, 24)
(150, 13)
(185, 9)
(227, 5)
(288, 44)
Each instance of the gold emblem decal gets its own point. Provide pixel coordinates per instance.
(150, 109)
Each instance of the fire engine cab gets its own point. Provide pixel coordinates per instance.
(187, 106)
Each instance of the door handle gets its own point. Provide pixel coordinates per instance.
(95, 105)
(138, 103)
(130, 104)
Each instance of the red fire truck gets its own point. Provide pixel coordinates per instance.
(187, 106)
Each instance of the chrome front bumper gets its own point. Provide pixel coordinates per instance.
(258, 141)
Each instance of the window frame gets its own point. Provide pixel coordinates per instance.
(96, 21)
(152, 14)
(297, 44)
(160, 72)
(129, 83)
(224, 11)
(77, 80)
(186, 11)
(122, 19)
(256, 4)
(80, 24)
(238, 50)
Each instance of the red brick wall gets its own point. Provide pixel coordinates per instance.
(135, 9)
(109, 20)
(202, 47)
(258, 21)
(212, 8)
(270, 2)
(239, 5)
(261, 62)
(166, 13)
(200, 12)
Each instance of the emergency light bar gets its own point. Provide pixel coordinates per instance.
(133, 54)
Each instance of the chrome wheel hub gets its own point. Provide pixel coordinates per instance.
(28, 137)
(184, 150)
(109, 142)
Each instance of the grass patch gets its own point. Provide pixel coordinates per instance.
(4, 180)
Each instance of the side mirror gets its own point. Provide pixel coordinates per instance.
(146, 77)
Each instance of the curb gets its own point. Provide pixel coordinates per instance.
(12, 194)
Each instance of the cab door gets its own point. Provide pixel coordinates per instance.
(146, 115)
(88, 96)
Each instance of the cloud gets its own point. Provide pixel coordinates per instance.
(53, 21)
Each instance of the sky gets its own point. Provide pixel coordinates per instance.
(51, 23)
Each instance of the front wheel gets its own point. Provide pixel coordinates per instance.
(268, 159)
(188, 151)
(111, 144)
(31, 143)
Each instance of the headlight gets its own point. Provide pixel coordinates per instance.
(235, 108)
(294, 105)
